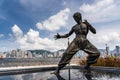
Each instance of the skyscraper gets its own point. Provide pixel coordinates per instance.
(117, 49)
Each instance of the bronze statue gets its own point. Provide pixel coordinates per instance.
(80, 42)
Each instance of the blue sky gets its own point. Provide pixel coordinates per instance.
(31, 24)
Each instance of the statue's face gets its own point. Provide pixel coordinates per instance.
(77, 19)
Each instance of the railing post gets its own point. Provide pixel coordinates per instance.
(69, 65)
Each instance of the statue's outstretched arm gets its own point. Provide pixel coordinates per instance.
(67, 35)
(63, 36)
(91, 28)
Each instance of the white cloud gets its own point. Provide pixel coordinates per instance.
(107, 36)
(17, 31)
(101, 10)
(32, 40)
(1, 35)
(54, 22)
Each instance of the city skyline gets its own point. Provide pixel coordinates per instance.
(18, 53)
(28, 24)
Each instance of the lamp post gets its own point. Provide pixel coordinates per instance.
(106, 50)
(69, 65)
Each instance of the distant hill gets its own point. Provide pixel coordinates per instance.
(41, 51)
(61, 50)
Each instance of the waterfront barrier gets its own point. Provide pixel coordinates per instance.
(34, 69)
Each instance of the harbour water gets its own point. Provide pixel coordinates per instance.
(75, 75)
(24, 64)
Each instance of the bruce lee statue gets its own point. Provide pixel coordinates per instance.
(80, 42)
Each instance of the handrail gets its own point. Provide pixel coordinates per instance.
(15, 71)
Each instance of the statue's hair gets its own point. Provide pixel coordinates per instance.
(77, 14)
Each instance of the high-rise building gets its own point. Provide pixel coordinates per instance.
(29, 54)
(13, 53)
(107, 50)
(117, 49)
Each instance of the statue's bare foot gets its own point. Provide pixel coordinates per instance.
(87, 70)
(55, 73)
(59, 77)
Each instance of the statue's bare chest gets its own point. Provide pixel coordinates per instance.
(80, 28)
